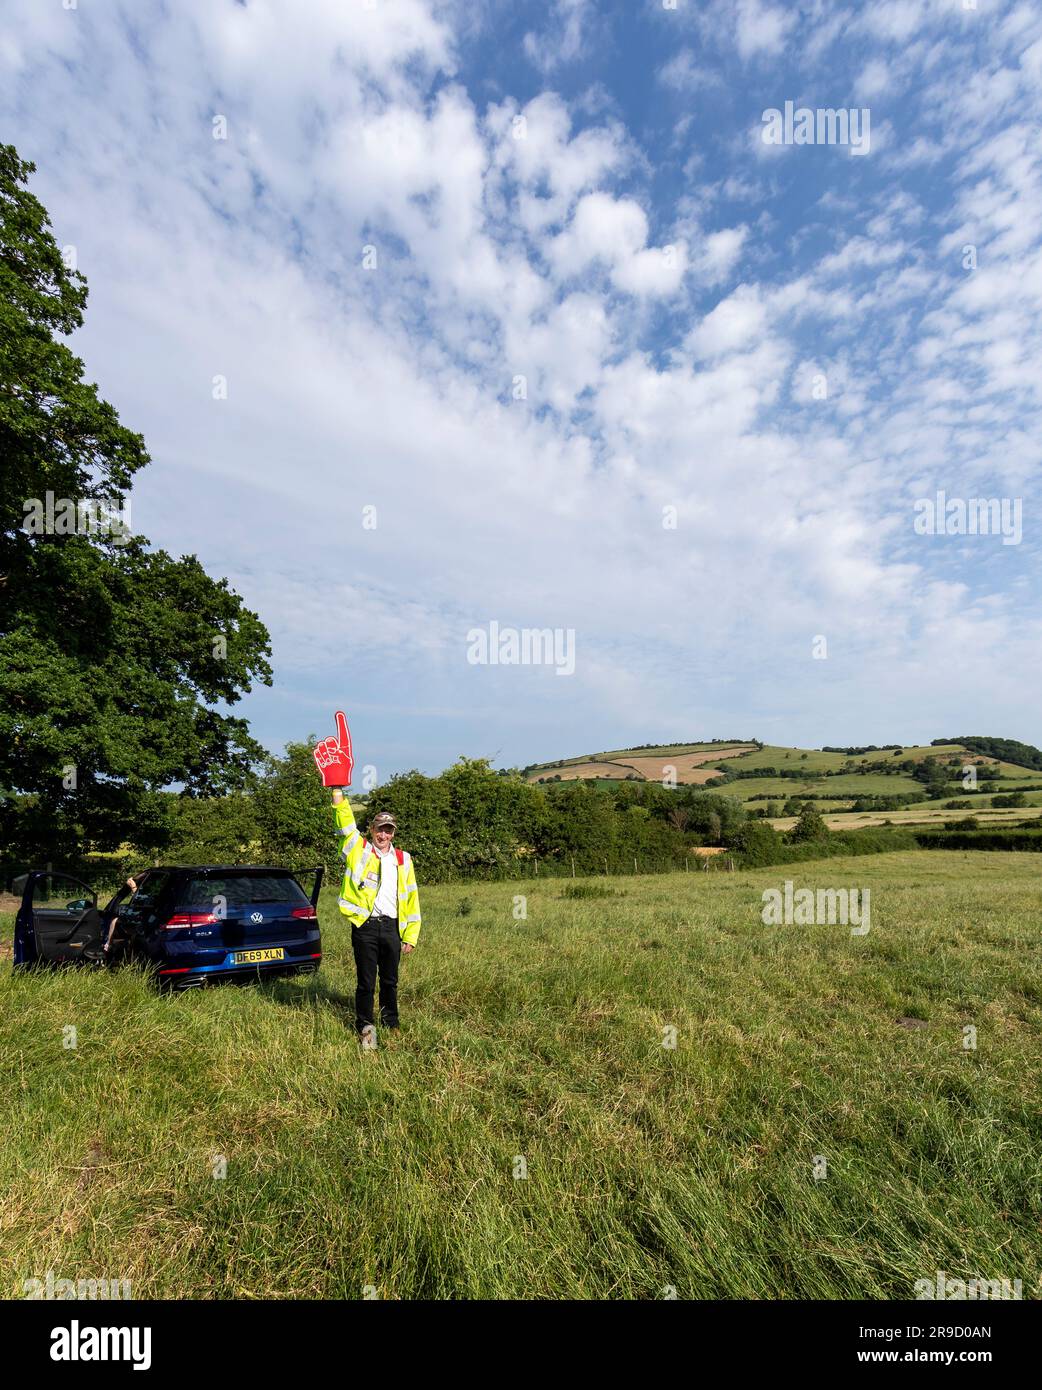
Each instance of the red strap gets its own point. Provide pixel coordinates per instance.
(400, 857)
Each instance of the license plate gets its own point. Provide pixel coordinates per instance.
(261, 954)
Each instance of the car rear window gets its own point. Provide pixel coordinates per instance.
(240, 890)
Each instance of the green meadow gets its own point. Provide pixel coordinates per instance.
(634, 1089)
(843, 784)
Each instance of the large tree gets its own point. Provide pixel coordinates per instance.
(112, 655)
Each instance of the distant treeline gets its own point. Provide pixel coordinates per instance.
(1023, 837)
(469, 821)
(760, 845)
(795, 804)
(745, 773)
(868, 748)
(1007, 750)
(796, 774)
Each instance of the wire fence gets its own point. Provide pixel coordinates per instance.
(533, 868)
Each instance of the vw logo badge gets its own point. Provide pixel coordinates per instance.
(256, 916)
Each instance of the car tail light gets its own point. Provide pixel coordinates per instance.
(304, 912)
(192, 919)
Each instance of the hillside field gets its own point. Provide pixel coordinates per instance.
(819, 1129)
(705, 765)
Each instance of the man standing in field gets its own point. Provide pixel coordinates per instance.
(378, 897)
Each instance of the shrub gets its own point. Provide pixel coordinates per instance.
(758, 844)
(810, 826)
(1007, 838)
(1013, 799)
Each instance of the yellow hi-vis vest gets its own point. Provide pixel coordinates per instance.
(362, 878)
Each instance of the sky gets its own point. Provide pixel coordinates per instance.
(483, 317)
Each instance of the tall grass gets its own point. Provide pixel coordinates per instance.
(534, 1045)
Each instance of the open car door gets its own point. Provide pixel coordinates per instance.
(316, 882)
(58, 921)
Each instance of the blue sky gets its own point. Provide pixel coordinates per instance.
(784, 344)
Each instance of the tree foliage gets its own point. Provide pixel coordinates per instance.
(1007, 750)
(810, 826)
(294, 818)
(112, 655)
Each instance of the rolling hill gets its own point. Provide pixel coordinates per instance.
(835, 779)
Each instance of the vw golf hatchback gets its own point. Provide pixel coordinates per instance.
(193, 925)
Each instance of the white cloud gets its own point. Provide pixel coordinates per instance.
(720, 252)
(535, 145)
(735, 323)
(684, 73)
(614, 231)
(565, 352)
(861, 251)
(761, 28)
(894, 20)
(874, 79)
(563, 41)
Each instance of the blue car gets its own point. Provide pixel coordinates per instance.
(193, 925)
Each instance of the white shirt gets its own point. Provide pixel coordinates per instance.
(386, 904)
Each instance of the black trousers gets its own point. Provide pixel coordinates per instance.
(377, 947)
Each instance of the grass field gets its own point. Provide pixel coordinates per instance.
(816, 760)
(664, 748)
(845, 784)
(537, 1045)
